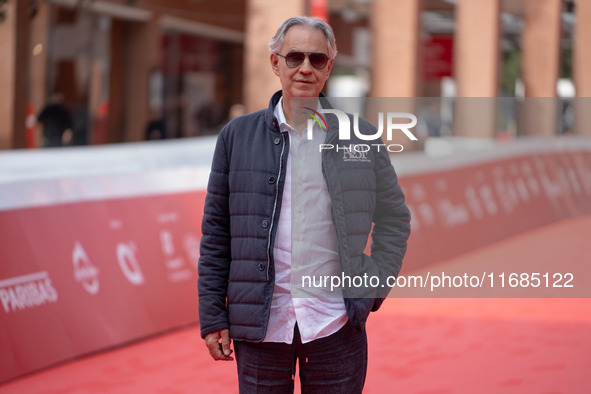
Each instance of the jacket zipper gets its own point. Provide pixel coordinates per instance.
(328, 187)
(275, 204)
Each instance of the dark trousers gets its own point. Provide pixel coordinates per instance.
(336, 364)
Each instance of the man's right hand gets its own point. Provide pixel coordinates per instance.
(218, 343)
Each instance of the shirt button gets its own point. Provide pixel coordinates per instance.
(277, 140)
(265, 223)
(261, 267)
(271, 179)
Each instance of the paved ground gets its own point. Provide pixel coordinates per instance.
(417, 345)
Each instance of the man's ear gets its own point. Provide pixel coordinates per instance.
(274, 63)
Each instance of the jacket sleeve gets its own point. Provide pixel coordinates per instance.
(215, 252)
(391, 223)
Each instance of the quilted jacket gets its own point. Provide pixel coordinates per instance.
(242, 206)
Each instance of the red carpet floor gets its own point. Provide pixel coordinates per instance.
(426, 346)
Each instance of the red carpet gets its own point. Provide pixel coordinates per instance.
(416, 345)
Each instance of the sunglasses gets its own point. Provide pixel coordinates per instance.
(318, 60)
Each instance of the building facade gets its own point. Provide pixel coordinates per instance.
(131, 70)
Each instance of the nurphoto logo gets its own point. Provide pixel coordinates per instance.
(315, 115)
(392, 124)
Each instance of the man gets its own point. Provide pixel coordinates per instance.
(278, 209)
(57, 123)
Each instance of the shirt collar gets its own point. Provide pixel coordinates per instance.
(280, 115)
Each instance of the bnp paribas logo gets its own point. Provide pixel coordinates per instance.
(393, 121)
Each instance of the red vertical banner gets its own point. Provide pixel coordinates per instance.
(30, 124)
(437, 57)
(319, 9)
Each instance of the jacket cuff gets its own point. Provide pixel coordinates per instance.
(214, 328)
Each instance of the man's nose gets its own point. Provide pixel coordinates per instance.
(306, 66)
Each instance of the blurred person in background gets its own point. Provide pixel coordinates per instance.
(80, 121)
(56, 120)
(156, 127)
(276, 208)
(237, 110)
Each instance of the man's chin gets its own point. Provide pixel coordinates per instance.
(308, 91)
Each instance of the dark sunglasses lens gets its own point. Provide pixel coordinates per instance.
(318, 60)
(294, 59)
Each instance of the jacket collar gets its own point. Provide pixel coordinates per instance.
(270, 119)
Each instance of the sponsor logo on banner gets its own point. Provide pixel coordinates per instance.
(192, 249)
(166, 242)
(175, 264)
(128, 263)
(27, 291)
(84, 271)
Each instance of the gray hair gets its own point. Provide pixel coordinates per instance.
(318, 24)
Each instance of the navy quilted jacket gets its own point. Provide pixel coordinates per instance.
(236, 271)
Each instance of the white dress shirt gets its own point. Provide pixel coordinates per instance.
(305, 244)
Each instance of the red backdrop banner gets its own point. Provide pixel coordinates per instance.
(78, 278)
(459, 210)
